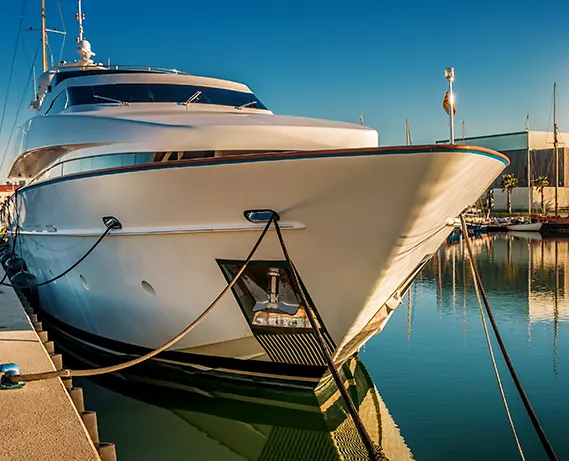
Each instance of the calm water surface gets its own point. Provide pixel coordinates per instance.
(430, 368)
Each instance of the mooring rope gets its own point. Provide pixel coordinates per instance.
(373, 450)
(65, 373)
(65, 272)
(14, 234)
(12, 252)
(488, 343)
(375, 453)
(113, 223)
(530, 411)
(57, 277)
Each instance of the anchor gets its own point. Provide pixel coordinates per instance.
(273, 303)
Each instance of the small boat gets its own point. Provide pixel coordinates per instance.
(476, 228)
(527, 227)
(474, 225)
(499, 224)
(551, 219)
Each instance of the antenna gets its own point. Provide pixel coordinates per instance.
(35, 83)
(43, 37)
(83, 46)
(79, 16)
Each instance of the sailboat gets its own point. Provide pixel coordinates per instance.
(555, 224)
(182, 169)
(526, 225)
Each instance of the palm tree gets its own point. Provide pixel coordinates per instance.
(541, 183)
(508, 183)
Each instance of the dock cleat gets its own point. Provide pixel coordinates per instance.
(8, 370)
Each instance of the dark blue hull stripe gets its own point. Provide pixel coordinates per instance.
(264, 158)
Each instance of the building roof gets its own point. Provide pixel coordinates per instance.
(8, 187)
(501, 135)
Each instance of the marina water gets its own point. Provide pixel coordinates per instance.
(430, 366)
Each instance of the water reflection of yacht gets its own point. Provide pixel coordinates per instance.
(248, 422)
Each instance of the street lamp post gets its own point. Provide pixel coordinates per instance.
(449, 75)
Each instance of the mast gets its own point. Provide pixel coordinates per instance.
(529, 181)
(407, 137)
(463, 132)
(79, 16)
(83, 46)
(555, 148)
(529, 163)
(43, 37)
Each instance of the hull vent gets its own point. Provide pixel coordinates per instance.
(295, 348)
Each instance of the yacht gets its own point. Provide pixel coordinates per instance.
(182, 166)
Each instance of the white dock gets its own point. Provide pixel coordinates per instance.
(39, 421)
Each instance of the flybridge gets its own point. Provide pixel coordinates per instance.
(131, 84)
(62, 90)
(141, 89)
(84, 65)
(63, 73)
(83, 48)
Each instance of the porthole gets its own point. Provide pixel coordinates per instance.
(84, 282)
(148, 289)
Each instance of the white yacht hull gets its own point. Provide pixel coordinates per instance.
(358, 224)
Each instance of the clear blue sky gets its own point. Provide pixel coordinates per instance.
(333, 59)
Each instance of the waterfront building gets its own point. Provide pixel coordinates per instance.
(518, 146)
(6, 190)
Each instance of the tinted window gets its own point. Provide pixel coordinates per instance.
(59, 103)
(159, 92)
(73, 166)
(102, 162)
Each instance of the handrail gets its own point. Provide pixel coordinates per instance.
(161, 70)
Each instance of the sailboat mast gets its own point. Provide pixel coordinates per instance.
(529, 165)
(529, 181)
(43, 37)
(555, 147)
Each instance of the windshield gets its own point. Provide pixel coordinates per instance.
(161, 92)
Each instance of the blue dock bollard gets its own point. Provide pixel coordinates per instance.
(8, 370)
